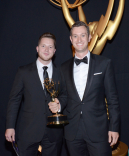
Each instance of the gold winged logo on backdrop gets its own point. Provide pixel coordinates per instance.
(101, 30)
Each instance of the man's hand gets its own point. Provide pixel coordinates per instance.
(54, 106)
(113, 137)
(10, 135)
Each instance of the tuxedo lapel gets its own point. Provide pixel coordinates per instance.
(90, 74)
(71, 80)
(54, 74)
(37, 79)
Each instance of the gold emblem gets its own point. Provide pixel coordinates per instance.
(101, 30)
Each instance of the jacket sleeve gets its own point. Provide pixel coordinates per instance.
(14, 101)
(112, 98)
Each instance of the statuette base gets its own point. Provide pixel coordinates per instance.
(57, 119)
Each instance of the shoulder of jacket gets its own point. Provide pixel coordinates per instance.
(101, 58)
(67, 62)
(27, 67)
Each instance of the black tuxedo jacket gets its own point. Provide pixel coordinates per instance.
(29, 104)
(100, 83)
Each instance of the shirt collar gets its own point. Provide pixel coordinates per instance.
(40, 65)
(88, 56)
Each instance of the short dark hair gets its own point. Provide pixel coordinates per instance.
(78, 24)
(47, 35)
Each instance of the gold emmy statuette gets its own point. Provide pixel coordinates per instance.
(56, 119)
(101, 30)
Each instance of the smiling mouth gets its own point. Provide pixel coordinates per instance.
(46, 53)
(79, 44)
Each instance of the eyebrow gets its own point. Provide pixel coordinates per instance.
(76, 34)
(47, 45)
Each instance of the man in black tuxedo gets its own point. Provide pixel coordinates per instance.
(89, 79)
(28, 104)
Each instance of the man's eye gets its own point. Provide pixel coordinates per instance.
(74, 36)
(83, 35)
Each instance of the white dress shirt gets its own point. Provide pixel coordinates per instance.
(40, 70)
(80, 73)
(40, 73)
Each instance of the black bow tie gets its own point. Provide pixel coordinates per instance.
(78, 61)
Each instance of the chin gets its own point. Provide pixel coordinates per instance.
(80, 50)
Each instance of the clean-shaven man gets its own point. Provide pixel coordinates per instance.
(28, 104)
(89, 79)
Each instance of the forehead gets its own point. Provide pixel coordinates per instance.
(46, 40)
(79, 30)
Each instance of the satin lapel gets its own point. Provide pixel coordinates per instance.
(37, 79)
(90, 74)
(71, 80)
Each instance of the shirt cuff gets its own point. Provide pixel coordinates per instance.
(59, 109)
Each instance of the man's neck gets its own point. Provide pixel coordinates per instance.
(44, 62)
(81, 55)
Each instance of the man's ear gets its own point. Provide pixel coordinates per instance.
(70, 39)
(54, 51)
(90, 37)
(37, 49)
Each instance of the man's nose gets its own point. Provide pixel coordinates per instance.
(79, 39)
(47, 48)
